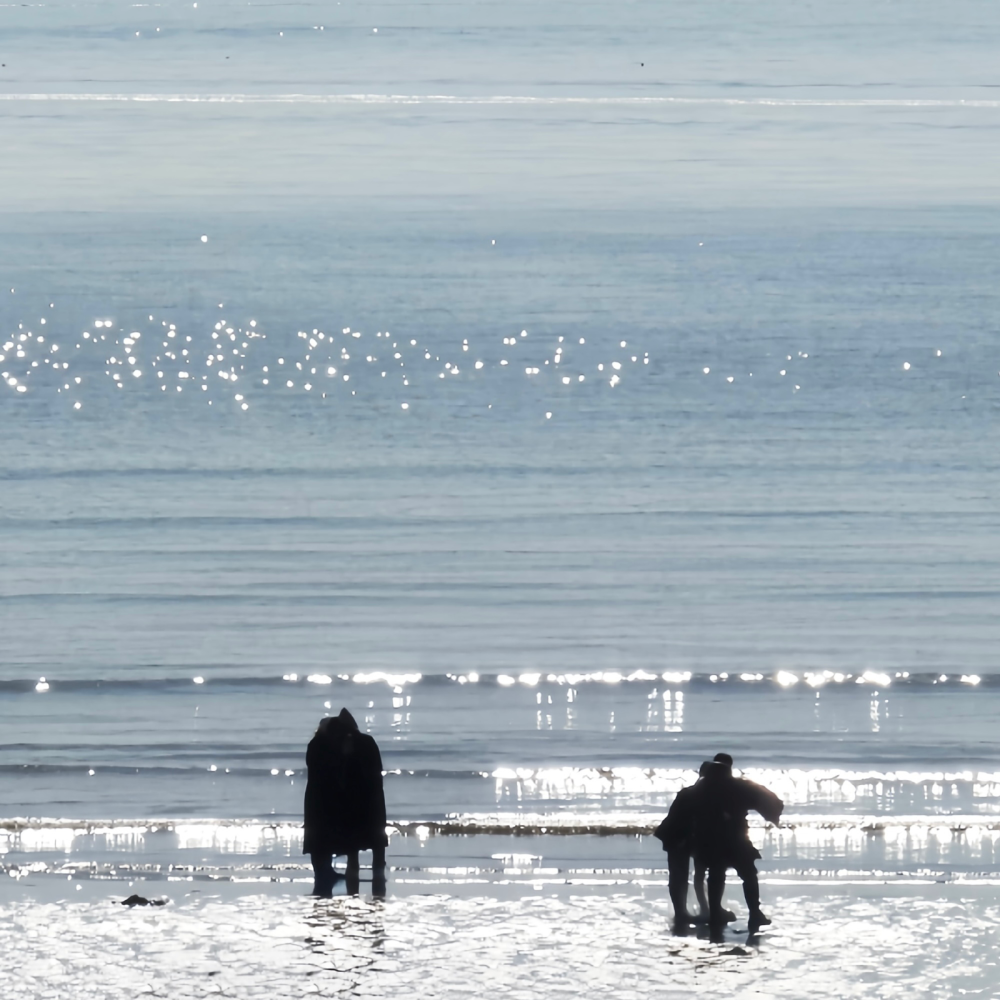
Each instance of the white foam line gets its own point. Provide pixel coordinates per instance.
(544, 822)
(506, 100)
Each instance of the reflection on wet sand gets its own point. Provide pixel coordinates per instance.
(831, 944)
(347, 938)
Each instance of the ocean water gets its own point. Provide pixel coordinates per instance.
(572, 392)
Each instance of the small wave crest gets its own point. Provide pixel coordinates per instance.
(504, 100)
(240, 835)
(742, 682)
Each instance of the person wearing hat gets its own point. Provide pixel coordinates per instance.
(344, 803)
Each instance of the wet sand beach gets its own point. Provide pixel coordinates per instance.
(522, 924)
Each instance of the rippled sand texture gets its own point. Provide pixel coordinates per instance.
(458, 947)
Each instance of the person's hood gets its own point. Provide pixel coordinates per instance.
(347, 719)
(338, 725)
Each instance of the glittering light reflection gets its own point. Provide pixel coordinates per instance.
(607, 942)
(164, 358)
(381, 677)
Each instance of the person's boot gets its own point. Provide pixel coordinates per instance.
(717, 933)
(757, 920)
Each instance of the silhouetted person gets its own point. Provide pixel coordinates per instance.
(721, 838)
(677, 834)
(344, 803)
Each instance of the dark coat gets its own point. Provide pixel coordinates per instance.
(676, 829)
(344, 802)
(720, 833)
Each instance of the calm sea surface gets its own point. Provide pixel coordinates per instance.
(570, 390)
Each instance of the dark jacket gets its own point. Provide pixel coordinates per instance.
(720, 832)
(344, 802)
(676, 829)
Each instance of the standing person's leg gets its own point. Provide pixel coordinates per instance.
(716, 887)
(677, 885)
(751, 887)
(353, 873)
(323, 874)
(747, 871)
(699, 891)
(378, 872)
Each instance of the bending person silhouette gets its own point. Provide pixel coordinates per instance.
(721, 839)
(344, 803)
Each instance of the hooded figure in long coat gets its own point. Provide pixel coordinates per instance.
(344, 802)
